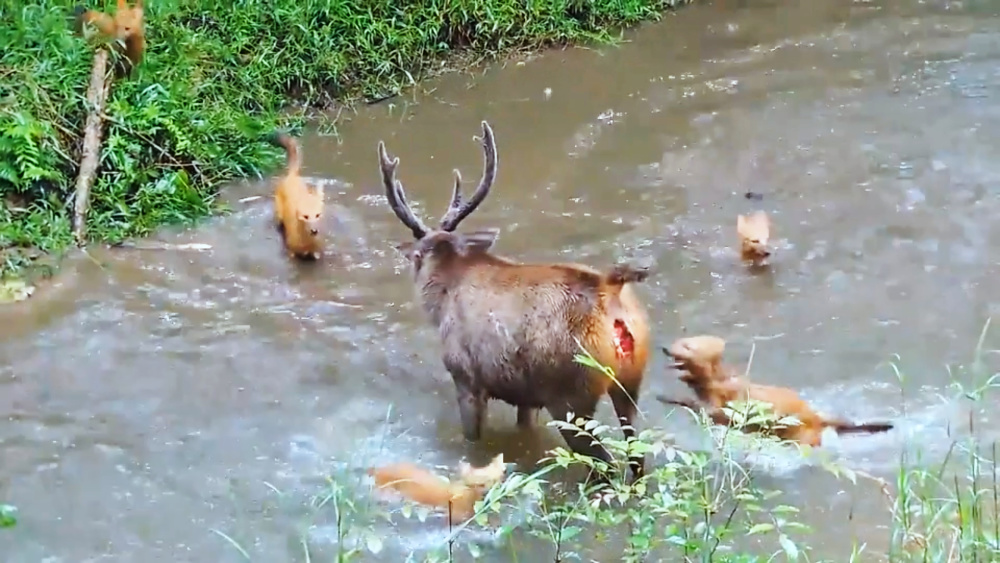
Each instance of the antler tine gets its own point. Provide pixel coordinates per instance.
(456, 195)
(459, 210)
(395, 194)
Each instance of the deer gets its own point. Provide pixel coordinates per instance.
(510, 331)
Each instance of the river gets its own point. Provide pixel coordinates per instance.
(155, 399)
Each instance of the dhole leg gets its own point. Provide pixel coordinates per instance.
(624, 400)
(472, 409)
(526, 416)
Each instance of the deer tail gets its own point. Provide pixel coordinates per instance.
(844, 427)
(291, 147)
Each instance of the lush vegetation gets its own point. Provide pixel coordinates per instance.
(216, 75)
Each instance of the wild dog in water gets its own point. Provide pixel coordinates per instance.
(754, 231)
(510, 330)
(423, 486)
(715, 384)
(298, 207)
(127, 26)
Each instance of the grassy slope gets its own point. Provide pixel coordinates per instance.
(215, 77)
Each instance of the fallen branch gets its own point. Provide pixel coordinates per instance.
(153, 245)
(97, 95)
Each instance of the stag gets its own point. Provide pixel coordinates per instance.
(510, 330)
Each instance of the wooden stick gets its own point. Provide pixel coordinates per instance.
(97, 95)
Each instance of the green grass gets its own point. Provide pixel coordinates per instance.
(216, 76)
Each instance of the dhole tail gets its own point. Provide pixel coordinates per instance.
(622, 274)
(843, 427)
(292, 152)
(100, 20)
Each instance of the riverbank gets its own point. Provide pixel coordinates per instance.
(213, 80)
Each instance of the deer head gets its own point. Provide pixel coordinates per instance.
(433, 248)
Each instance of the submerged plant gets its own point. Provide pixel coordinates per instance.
(8, 516)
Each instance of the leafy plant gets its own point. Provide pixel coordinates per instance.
(215, 77)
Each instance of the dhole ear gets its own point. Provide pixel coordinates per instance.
(741, 223)
(404, 247)
(480, 241)
(122, 5)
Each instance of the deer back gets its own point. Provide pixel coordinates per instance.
(537, 315)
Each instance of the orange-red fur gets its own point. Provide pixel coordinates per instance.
(127, 26)
(298, 207)
(754, 230)
(716, 385)
(422, 486)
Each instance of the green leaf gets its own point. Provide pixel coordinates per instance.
(569, 532)
(8, 516)
(760, 529)
(789, 547)
(373, 543)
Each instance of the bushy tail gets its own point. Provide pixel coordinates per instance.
(622, 274)
(100, 20)
(844, 427)
(291, 149)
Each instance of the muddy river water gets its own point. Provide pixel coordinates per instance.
(152, 398)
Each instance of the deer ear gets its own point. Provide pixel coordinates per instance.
(480, 241)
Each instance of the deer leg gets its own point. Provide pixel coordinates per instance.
(526, 416)
(624, 400)
(472, 409)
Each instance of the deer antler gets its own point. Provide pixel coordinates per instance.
(395, 194)
(458, 209)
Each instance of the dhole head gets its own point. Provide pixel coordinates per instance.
(129, 20)
(695, 352)
(309, 210)
(484, 477)
(754, 231)
(432, 249)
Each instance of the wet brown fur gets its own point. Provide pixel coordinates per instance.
(716, 384)
(298, 207)
(509, 329)
(127, 26)
(754, 230)
(422, 486)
